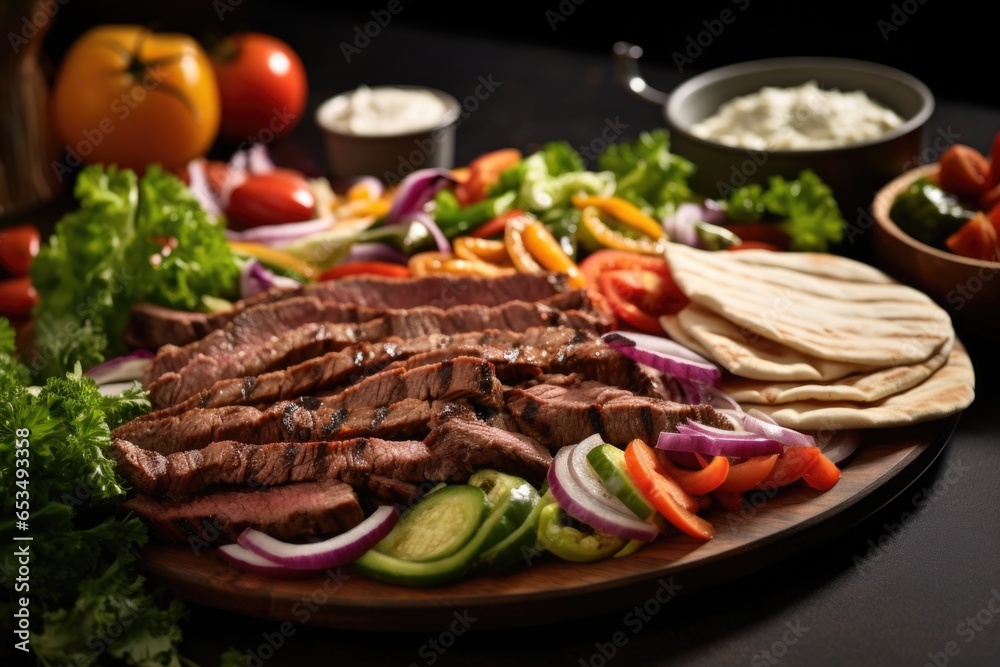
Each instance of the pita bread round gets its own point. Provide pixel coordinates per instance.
(947, 391)
(860, 387)
(753, 357)
(876, 324)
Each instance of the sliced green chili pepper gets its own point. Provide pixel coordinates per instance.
(928, 213)
(570, 540)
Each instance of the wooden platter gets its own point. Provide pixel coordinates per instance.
(772, 526)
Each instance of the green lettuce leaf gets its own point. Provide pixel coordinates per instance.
(131, 240)
(648, 174)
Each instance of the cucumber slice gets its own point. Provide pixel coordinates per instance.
(509, 511)
(439, 525)
(609, 463)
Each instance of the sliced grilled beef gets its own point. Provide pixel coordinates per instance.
(569, 409)
(361, 462)
(151, 326)
(286, 512)
(394, 402)
(261, 324)
(173, 377)
(492, 446)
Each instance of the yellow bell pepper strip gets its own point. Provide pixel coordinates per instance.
(604, 236)
(625, 212)
(534, 249)
(438, 263)
(492, 251)
(274, 258)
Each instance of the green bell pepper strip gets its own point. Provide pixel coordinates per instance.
(558, 535)
(928, 213)
(455, 221)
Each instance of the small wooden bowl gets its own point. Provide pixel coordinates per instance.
(969, 289)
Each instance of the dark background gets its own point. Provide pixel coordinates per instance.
(949, 45)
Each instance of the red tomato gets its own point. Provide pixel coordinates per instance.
(760, 232)
(484, 171)
(962, 171)
(976, 239)
(637, 288)
(18, 247)
(272, 198)
(263, 87)
(754, 245)
(387, 269)
(17, 297)
(496, 226)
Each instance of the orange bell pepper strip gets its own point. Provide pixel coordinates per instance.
(663, 492)
(698, 482)
(822, 475)
(748, 474)
(485, 250)
(533, 249)
(625, 212)
(790, 466)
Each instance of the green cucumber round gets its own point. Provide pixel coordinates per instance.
(439, 525)
(608, 462)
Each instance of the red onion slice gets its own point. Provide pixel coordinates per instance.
(576, 501)
(758, 422)
(375, 252)
(736, 445)
(277, 235)
(255, 278)
(680, 366)
(127, 368)
(338, 550)
(243, 559)
(202, 191)
(415, 191)
(425, 219)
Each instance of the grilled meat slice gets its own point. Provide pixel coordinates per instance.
(393, 402)
(568, 409)
(286, 512)
(173, 377)
(152, 326)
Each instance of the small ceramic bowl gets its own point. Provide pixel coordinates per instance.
(854, 172)
(387, 155)
(969, 289)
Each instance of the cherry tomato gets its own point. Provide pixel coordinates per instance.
(18, 247)
(484, 171)
(271, 198)
(962, 171)
(262, 85)
(126, 95)
(387, 269)
(17, 297)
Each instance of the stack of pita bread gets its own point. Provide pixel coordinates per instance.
(819, 341)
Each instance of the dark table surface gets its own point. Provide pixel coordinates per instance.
(914, 583)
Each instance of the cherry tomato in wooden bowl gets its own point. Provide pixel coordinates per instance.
(262, 86)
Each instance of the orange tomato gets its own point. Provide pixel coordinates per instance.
(126, 95)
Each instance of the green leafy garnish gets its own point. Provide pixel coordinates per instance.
(803, 208)
(131, 240)
(88, 602)
(648, 174)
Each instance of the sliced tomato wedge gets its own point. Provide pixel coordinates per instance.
(638, 288)
(484, 171)
(387, 269)
(977, 239)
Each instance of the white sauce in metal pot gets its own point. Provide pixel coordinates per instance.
(799, 118)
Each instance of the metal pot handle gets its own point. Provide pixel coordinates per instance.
(626, 59)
